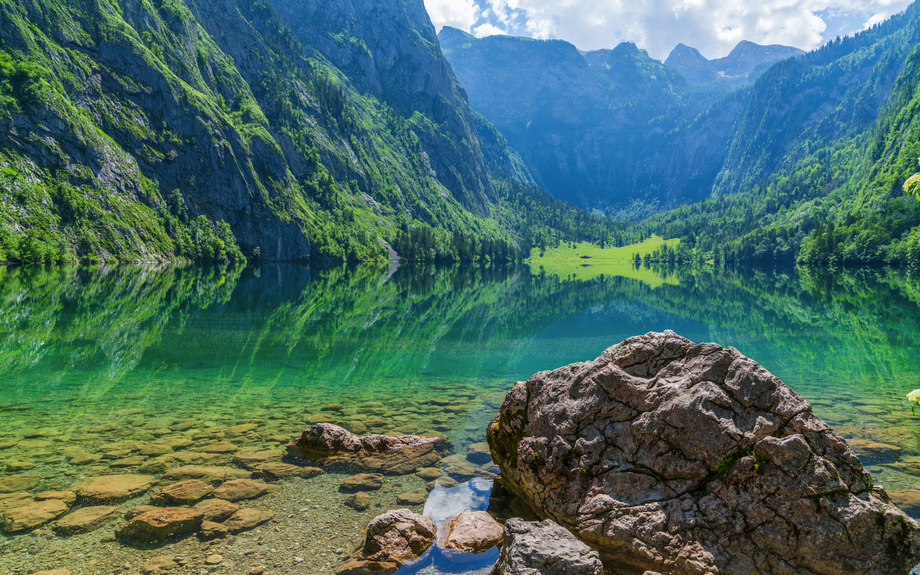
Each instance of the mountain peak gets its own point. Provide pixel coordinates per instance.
(744, 63)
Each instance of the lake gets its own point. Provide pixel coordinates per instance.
(139, 369)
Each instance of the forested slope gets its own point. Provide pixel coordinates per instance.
(816, 164)
(215, 129)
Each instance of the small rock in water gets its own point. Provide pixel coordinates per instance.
(182, 493)
(246, 519)
(473, 532)
(159, 565)
(161, 523)
(359, 501)
(216, 510)
(363, 482)
(86, 519)
(411, 498)
(14, 483)
(240, 489)
(114, 487)
(214, 559)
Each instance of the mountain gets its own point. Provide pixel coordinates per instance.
(216, 129)
(599, 129)
(816, 161)
(744, 64)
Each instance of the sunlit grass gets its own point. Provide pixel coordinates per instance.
(588, 261)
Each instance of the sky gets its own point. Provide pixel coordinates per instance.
(713, 27)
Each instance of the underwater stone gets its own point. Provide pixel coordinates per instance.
(86, 519)
(205, 473)
(246, 519)
(161, 523)
(359, 501)
(276, 471)
(160, 565)
(15, 483)
(181, 493)
(240, 489)
(216, 510)
(114, 487)
(362, 482)
(31, 515)
(326, 444)
(670, 456)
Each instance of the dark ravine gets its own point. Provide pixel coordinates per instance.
(689, 458)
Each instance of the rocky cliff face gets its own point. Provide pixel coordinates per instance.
(303, 125)
(390, 51)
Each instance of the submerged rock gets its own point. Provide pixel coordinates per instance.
(216, 510)
(392, 539)
(246, 519)
(31, 515)
(86, 519)
(160, 565)
(362, 482)
(15, 483)
(205, 473)
(544, 548)
(276, 471)
(161, 523)
(681, 458)
(182, 493)
(326, 444)
(359, 501)
(240, 489)
(114, 487)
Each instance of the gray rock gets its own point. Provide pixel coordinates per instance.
(544, 548)
(681, 458)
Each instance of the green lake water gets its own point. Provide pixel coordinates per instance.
(93, 356)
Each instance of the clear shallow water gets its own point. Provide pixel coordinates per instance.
(90, 357)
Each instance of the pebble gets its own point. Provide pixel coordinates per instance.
(214, 560)
(298, 559)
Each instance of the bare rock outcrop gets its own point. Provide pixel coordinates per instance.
(326, 444)
(544, 548)
(670, 456)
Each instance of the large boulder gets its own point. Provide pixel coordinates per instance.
(326, 444)
(682, 458)
(393, 539)
(544, 548)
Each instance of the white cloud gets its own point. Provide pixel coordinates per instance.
(460, 14)
(712, 26)
(487, 29)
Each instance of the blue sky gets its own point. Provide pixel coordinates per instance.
(714, 27)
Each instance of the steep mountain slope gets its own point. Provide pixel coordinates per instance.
(817, 160)
(609, 129)
(202, 129)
